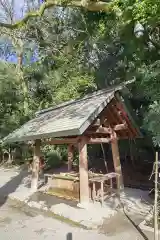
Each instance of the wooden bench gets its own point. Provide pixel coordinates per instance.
(101, 194)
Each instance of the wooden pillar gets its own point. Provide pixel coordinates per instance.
(35, 166)
(83, 172)
(70, 156)
(117, 163)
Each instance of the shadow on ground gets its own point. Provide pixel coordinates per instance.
(120, 223)
(11, 186)
(51, 200)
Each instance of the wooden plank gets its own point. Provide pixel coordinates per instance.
(116, 162)
(83, 172)
(35, 167)
(130, 113)
(105, 177)
(70, 156)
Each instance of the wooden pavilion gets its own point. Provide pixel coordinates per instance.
(100, 117)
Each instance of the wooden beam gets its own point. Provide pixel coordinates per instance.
(35, 166)
(120, 127)
(74, 141)
(62, 141)
(101, 129)
(107, 130)
(98, 140)
(70, 156)
(83, 172)
(116, 161)
(96, 123)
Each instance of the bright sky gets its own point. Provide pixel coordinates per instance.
(20, 8)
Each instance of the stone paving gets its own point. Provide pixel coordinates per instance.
(17, 224)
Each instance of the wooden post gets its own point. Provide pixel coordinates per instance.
(156, 200)
(35, 167)
(83, 172)
(117, 163)
(70, 157)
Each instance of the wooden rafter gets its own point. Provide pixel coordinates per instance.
(123, 116)
(115, 115)
(111, 117)
(106, 130)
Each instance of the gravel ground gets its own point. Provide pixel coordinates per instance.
(18, 225)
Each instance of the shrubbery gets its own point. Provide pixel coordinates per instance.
(53, 159)
(54, 156)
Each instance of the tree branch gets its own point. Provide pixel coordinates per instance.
(90, 6)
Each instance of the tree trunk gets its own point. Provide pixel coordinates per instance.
(23, 84)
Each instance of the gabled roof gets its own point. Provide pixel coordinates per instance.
(68, 119)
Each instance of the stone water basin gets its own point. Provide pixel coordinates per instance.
(67, 185)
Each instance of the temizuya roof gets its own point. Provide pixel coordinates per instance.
(68, 119)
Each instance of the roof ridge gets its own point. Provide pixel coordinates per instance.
(90, 95)
(64, 104)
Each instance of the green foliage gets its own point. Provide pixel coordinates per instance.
(54, 155)
(152, 121)
(53, 159)
(9, 99)
(82, 52)
(146, 10)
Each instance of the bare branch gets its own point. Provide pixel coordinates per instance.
(90, 6)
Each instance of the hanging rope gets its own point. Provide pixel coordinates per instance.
(104, 157)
